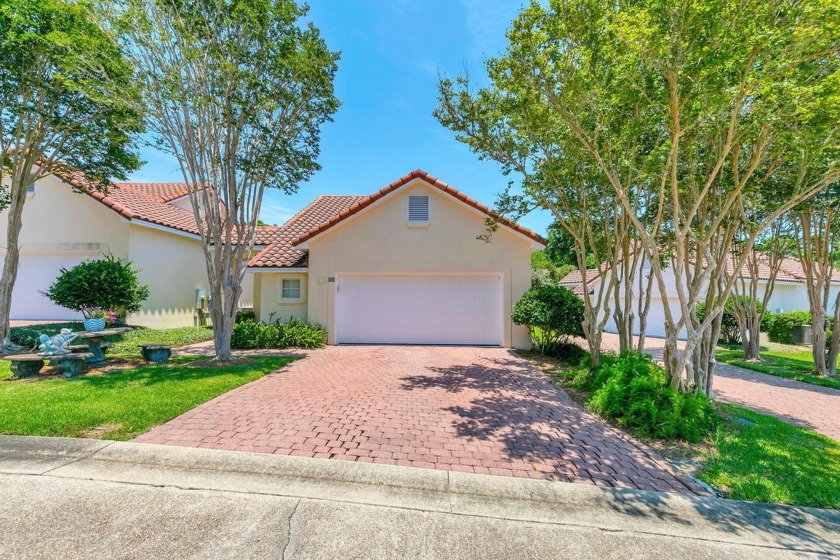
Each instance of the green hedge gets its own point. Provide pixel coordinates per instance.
(633, 391)
(779, 326)
(293, 334)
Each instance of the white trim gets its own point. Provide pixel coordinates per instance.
(152, 225)
(276, 269)
(305, 245)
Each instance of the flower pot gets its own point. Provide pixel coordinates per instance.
(94, 325)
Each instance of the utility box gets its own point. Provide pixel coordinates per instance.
(802, 335)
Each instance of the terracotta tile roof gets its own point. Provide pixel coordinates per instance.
(790, 270)
(165, 192)
(366, 201)
(281, 252)
(145, 201)
(575, 276)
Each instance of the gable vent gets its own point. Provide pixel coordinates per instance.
(418, 209)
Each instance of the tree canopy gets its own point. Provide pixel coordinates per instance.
(657, 126)
(67, 97)
(237, 92)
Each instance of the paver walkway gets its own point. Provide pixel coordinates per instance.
(795, 402)
(482, 410)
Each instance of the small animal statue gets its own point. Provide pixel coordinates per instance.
(57, 345)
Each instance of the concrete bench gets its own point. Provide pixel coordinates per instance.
(157, 353)
(70, 365)
(25, 365)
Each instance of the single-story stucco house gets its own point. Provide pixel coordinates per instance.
(404, 265)
(789, 292)
(150, 224)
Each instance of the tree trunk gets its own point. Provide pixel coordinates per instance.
(10, 263)
(751, 346)
(225, 303)
(834, 342)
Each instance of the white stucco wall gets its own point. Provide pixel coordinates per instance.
(787, 296)
(269, 304)
(58, 219)
(173, 266)
(378, 240)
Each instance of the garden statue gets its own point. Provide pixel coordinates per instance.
(57, 345)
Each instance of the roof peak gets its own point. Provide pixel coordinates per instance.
(404, 180)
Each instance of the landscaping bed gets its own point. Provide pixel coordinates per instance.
(126, 398)
(744, 455)
(781, 360)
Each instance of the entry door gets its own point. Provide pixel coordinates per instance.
(420, 309)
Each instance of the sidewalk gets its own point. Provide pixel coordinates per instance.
(65, 498)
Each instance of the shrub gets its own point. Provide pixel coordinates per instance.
(243, 316)
(108, 283)
(730, 332)
(780, 325)
(569, 352)
(248, 335)
(552, 314)
(633, 391)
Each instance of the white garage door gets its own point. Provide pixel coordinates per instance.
(37, 273)
(420, 309)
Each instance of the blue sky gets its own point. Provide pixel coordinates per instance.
(391, 52)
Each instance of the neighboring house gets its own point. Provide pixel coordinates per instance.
(404, 265)
(150, 224)
(789, 292)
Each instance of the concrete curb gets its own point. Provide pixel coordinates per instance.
(635, 511)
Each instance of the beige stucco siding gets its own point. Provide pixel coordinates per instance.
(379, 240)
(269, 304)
(58, 219)
(173, 266)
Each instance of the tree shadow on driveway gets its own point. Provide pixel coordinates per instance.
(509, 402)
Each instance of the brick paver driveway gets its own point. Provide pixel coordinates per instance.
(482, 410)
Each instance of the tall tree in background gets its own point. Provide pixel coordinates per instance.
(685, 108)
(237, 91)
(66, 95)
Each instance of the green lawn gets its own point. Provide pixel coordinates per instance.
(771, 461)
(122, 404)
(781, 360)
(124, 344)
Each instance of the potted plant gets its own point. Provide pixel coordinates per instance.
(96, 317)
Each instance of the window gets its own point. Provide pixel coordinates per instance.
(418, 210)
(30, 189)
(291, 288)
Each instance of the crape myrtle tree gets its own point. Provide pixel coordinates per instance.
(817, 229)
(696, 104)
(67, 97)
(756, 281)
(237, 92)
